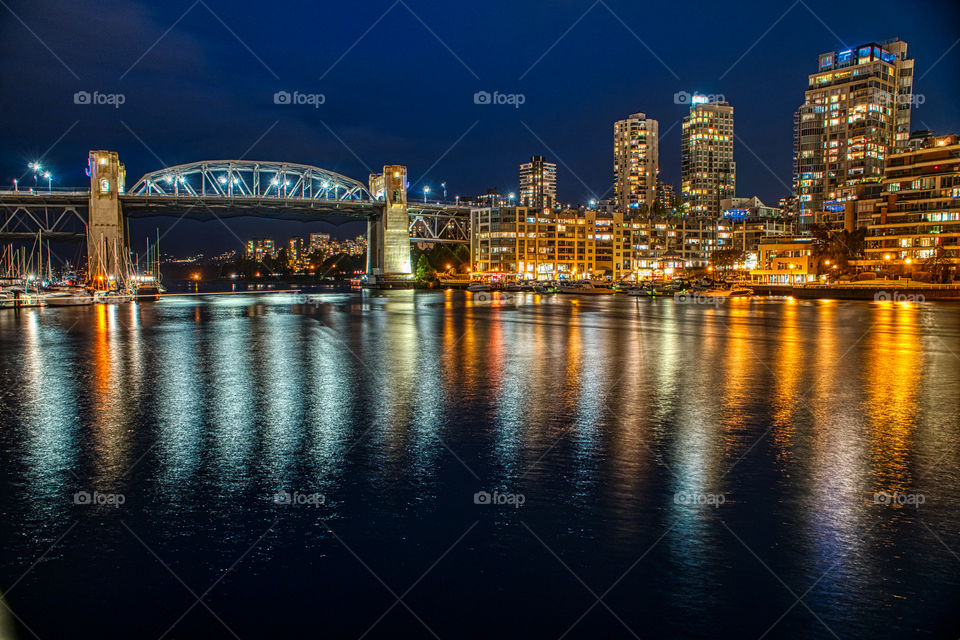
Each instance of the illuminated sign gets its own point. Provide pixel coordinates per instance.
(699, 100)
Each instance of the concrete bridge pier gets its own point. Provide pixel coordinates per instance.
(388, 238)
(107, 242)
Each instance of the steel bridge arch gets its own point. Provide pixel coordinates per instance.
(251, 179)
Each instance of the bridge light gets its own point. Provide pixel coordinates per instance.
(274, 181)
(169, 179)
(222, 180)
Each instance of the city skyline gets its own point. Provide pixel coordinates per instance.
(469, 144)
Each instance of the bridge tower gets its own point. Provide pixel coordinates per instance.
(388, 238)
(106, 230)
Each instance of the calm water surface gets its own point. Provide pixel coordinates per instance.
(685, 470)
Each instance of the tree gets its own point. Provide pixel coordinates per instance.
(726, 258)
(678, 205)
(462, 253)
(281, 264)
(846, 245)
(424, 272)
(938, 265)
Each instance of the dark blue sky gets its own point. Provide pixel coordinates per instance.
(399, 81)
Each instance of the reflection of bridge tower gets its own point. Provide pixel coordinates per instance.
(388, 239)
(106, 230)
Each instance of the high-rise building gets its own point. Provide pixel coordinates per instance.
(538, 183)
(708, 171)
(260, 248)
(636, 161)
(855, 113)
(916, 223)
(491, 198)
(318, 242)
(295, 253)
(665, 195)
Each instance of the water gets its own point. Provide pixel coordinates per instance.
(698, 469)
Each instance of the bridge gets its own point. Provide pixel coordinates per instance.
(221, 189)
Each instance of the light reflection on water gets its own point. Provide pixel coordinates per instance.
(399, 406)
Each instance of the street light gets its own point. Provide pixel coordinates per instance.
(444, 185)
(35, 166)
(49, 180)
(426, 190)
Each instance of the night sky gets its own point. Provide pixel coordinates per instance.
(399, 78)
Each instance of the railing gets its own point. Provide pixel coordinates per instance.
(56, 191)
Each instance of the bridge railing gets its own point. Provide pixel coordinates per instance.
(56, 191)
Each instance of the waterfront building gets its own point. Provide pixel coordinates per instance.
(786, 261)
(708, 170)
(260, 248)
(698, 237)
(918, 213)
(752, 223)
(856, 112)
(548, 244)
(852, 208)
(636, 161)
(538, 183)
(659, 244)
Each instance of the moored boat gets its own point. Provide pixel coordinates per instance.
(583, 288)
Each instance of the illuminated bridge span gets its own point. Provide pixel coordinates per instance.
(218, 189)
(221, 188)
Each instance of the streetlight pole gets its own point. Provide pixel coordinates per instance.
(36, 169)
(426, 190)
(444, 185)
